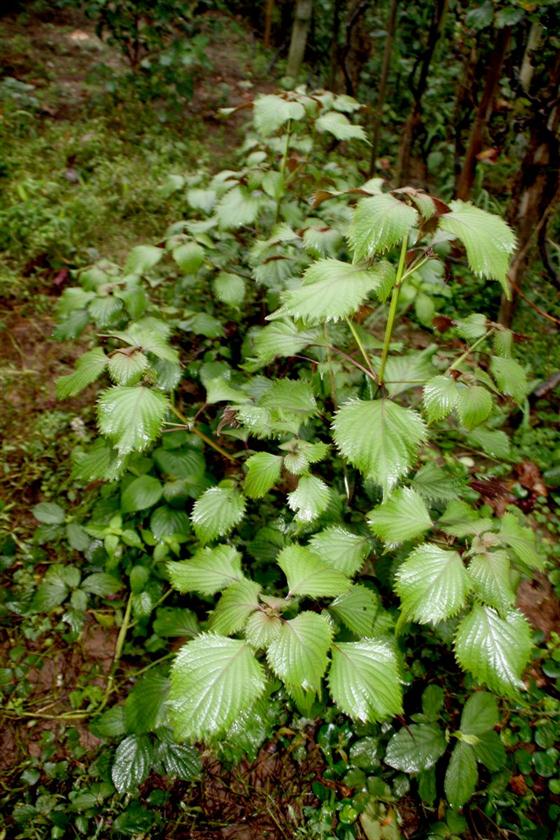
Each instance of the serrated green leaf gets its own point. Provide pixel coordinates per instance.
(167, 522)
(89, 367)
(261, 629)
(379, 223)
(142, 258)
(110, 724)
(308, 575)
(179, 760)
(380, 438)
(357, 609)
(173, 622)
(234, 607)
(340, 548)
(432, 584)
(152, 336)
(299, 653)
(238, 207)
(340, 126)
(200, 199)
(330, 290)
(102, 584)
(209, 571)
(461, 775)
(99, 462)
(271, 112)
(474, 405)
(480, 714)
(403, 516)
(143, 492)
(415, 748)
(180, 463)
(461, 520)
(105, 309)
(364, 680)
(280, 339)
(132, 417)
(494, 649)
(290, 396)
(492, 441)
(213, 680)
(263, 472)
(490, 751)
(126, 368)
(132, 763)
(522, 540)
(217, 512)
(229, 289)
(409, 371)
(189, 257)
(510, 376)
(488, 240)
(490, 574)
(436, 484)
(310, 498)
(144, 709)
(49, 513)
(440, 397)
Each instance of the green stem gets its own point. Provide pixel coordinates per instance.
(470, 349)
(393, 310)
(361, 347)
(283, 168)
(121, 638)
(189, 425)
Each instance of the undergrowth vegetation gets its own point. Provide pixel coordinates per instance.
(278, 575)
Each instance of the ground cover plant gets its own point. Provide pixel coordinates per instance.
(283, 583)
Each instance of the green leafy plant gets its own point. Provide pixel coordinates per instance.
(328, 512)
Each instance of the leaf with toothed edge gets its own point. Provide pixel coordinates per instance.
(403, 516)
(89, 367)
(209, 571)
(432, 584)
(132, 417)
(217, 512)
(234, 607)
(340, 548)
(308, 575)
(379, 223)
(364, 680)
(298, 655)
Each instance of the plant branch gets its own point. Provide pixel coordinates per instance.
(470, 349)
(393, 310)
(189, 424)
(362, 349)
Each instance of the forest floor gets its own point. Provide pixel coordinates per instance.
(83, 175)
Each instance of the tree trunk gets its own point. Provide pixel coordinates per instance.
(335, 48)
(537, 186)
(302, 22)
(387, 52)
(484, 112)
(268, 12)
(465, 104)
(418, 90)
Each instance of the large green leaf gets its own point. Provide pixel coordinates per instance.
(490, 751)
(461, 775)
(213, 680)
(310, 498)
(488, 240)
(179, 760)
(132, 417)
(132, 762)
(180, 463)
(380, 438)
(287, 397)
(490, 574)
(263, 471)
(89, 367)
(379, 223)
(409, 371)
(152, 336)
(238, 207)
(165, 521)
(340, 126)
(357, 609)
(436, 484)
(340, 548)
(364, 680)
(189, 257)
(440, 397)
(521, 540)
(403, 516)
(480, 714)
(415, 748)
(271, 112)
(494, 649)
(142, 258)
(217, 512)
(474, 405)
(308, 575)
(282, 338)
(330, 290)
(229, 289)
(126, 368)
(299, 653)
(234, 607)
(49, 513)
(262, 628)
(143, 492)
(432, 584)
(510, 376)
(144, 709)
(209, 571)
